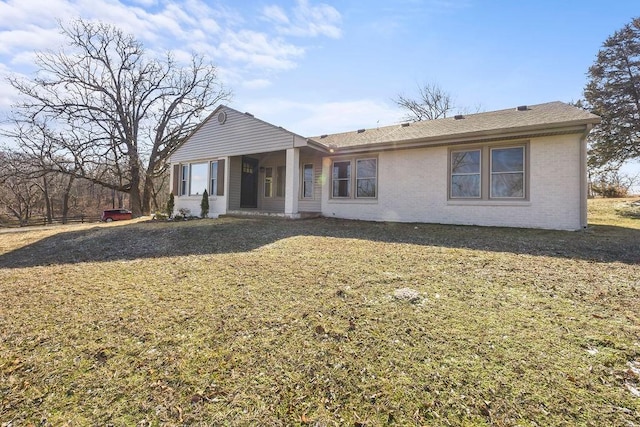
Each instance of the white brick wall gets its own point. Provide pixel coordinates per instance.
(412, 187)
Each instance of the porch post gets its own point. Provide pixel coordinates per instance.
(292, 183)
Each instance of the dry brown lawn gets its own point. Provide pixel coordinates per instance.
(272, 322)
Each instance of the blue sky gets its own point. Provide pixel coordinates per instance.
(325, 66)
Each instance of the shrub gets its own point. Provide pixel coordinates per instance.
(160, 216)
(178, 217)
(204, 204)
(170, 205)
(611, 183)
(608, 190)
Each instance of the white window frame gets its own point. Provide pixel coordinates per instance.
(206, 179)
(213, 178)
(268, 182)
(184, 180)
(307, 184)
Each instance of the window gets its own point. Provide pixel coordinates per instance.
(465, 174)
(365, 180)
(184, 179)
(268, 182)
(214, 179)
(341, 179)
(193, 179)
(280, 181)
(507, 172)
(198, 178)
(307, 181)
(489, 173)
(366, 177)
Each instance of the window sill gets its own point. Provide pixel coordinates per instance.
(518, 203)
(354, 201)
(185, 197)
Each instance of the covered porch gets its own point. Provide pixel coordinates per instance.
(283, 183)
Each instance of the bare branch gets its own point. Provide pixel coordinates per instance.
(433, 103)
(104, 110)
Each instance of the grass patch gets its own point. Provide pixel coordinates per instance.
(273, 322)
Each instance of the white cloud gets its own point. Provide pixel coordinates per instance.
(248, 56)
(30, 38)
(6, 90)
(145, 3)
(306, 20)
(275, 14)
(259, 50)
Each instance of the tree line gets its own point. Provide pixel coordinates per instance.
(31, 195)
(104, 111)
(102, 116)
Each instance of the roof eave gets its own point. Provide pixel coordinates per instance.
(473, 137)
(312, 143)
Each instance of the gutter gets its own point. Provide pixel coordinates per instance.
(318, 146)
(464, 138)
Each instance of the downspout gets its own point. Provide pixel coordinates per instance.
(583, 176)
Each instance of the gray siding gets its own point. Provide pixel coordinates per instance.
(235, 176)
(315, 204)
(270, 160)
(240, 134)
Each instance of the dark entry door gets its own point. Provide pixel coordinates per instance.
(249, 187)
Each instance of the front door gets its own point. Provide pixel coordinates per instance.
(249, 187)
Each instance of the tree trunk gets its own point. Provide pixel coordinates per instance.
(65, 200)
(47, 200)
(135, 198)
(147, 194)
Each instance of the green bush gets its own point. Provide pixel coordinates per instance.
(204, 204)
(170, 204)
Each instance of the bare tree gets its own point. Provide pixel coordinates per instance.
(433, 103)
(21, 193)
(107, 112)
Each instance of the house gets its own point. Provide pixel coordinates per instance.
(519, 167)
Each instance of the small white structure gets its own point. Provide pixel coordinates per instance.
(521, 167)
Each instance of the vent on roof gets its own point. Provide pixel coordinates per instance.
(361, 130)
(522, 108)
(323, 136)
(248, 114)
(405, 125)
(458, 117)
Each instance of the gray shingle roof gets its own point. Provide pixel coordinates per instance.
(552, 115)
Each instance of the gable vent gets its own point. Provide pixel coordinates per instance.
(522, 108)
(458, 117)
(361, 130)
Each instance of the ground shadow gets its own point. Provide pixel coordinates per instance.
(229, 235)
